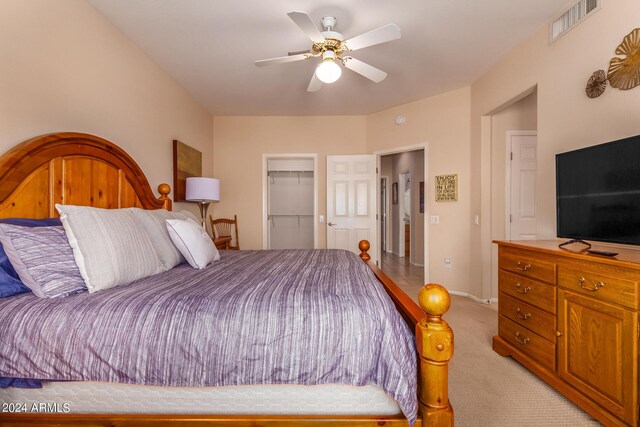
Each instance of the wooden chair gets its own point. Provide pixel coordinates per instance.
(221, 229)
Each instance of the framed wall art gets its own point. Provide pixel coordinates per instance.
(447, 188)
(394, 193)
(187, 161)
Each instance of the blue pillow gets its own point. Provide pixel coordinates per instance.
(10, 283)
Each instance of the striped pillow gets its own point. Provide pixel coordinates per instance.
(109, 245)
(43, 259)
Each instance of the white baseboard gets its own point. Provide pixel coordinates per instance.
(417, 265)
(475, 298)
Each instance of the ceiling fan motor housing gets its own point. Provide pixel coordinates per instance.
(328, 22)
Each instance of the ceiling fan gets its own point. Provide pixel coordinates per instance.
(331, 46)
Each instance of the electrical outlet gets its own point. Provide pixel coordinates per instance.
(447, 263)
(435, 219)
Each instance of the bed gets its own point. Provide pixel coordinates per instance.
(82, 169)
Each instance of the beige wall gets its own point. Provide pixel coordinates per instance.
(66, 68)
(567, 118)
(239, 143)
(442, 122)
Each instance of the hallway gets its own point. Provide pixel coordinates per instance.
(407, 276)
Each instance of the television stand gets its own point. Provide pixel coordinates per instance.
(572, 241)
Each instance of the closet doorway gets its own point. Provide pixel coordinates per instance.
(290, 194)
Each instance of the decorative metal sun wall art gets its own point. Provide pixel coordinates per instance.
(624, 73)
(597, 84)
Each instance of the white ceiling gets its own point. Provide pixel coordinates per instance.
(209, 47)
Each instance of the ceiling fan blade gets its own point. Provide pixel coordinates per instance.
(299, 52)
(315, 84)
(364, 69)
(282, 59)
(305, 23)
(379, 35)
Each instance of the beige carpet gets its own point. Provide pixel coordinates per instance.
(486, 389)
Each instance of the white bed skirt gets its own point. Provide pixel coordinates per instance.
(100, 397)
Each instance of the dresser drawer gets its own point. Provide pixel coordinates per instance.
(538, 321)
(604, 287)
(531, 291)
(522, 262)
(529, 343)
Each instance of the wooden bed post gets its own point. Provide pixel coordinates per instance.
(164, 190)
(434, 340)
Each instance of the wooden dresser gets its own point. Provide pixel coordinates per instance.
(572, 319)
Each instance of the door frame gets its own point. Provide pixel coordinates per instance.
(402, 178)
(507, 179)
(423, 146)
(387, 203)
(265, 190)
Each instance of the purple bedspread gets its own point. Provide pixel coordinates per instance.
(255, 317)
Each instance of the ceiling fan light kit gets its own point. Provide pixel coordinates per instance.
(328, 71)
(331, 45)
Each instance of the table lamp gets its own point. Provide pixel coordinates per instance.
(204, 191)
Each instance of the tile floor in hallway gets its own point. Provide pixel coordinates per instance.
(407, 276)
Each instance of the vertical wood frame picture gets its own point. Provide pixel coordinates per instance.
(447, 188)
(187, 162)
(394, 193)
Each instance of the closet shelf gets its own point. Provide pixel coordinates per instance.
(273, 224)
(288, 174)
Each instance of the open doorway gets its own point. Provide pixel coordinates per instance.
(402, 211)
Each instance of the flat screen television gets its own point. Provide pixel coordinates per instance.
(598, 192)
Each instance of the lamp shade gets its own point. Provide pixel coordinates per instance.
(201, 189)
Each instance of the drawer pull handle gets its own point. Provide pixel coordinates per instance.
(525, 316)
(596, 285)
(523, 267)
(522, 291)
(521, 340)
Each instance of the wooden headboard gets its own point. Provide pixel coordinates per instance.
(74, 169)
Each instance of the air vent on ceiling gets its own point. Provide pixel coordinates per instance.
(572, 17)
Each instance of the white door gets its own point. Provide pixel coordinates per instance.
(521, 195)
(351, 203)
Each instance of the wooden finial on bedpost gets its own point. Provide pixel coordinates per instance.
(164, 190)
(364, 248)
(434, 340)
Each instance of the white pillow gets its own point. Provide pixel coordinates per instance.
(193, 242)
(109, 246)
(153, 221)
